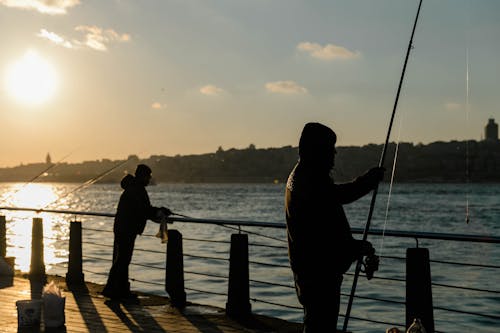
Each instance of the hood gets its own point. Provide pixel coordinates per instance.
(127, 181)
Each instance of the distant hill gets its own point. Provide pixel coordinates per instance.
(455, 161)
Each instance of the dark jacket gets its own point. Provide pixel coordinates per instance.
(134, 208)
(319, 235)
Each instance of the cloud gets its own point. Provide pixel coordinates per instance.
(285, 87)
(158, 106)
(53, 7)
(211, 90)
(327, 52)
(450, 106)
(55, 38)
(95, 38)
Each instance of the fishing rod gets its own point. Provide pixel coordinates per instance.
(51, 166)
(71, 212)
(181, 215)
(87, 183)
(381, 164)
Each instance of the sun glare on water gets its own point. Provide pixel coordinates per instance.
(31, 80)
(20, 223)
(32, 195)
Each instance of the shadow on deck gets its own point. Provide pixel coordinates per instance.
(88, 311)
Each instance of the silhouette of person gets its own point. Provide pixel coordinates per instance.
(320, 244)
(134, 209)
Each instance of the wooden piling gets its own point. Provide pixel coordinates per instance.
(174, 270)
(419, 288)
(3, 237)
(75, 276)
(238, 294)
(37, 266)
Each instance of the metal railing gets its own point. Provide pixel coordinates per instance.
(269, 255)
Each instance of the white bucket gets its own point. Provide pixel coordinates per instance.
(53, 310)
(29, 312)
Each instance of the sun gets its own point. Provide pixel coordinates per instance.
(31, 80)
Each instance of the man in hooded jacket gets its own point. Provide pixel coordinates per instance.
(134, 209)
(320, 244)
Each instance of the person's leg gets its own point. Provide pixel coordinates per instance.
(108, 288)
(321, 303)
(335, 296)
(312, 303)
(118, 284)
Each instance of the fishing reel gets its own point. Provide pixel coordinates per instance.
(370, 265)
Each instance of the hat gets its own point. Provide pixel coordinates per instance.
(143, 170)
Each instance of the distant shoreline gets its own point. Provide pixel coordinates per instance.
(438, 162)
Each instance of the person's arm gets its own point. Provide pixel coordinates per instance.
(160, 213)
(352, 191)
(144, 208)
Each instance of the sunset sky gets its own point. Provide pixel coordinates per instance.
(109, 78)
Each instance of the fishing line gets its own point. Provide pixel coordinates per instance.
(389, 195)
(467, 112)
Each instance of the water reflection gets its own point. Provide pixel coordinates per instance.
(19, 223)
(30, 195)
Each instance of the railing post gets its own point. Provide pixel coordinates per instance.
(3, 237)
(174, 269)
(37, 266)
(75, 275)
(419, 288)
(238, 294)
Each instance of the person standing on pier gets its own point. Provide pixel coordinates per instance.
(320, 244)
(134, 209)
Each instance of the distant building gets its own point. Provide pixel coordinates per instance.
(491, 130)
(48, 160)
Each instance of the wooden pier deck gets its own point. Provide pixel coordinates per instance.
(87, 311)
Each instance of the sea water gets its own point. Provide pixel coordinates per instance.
(441, 208)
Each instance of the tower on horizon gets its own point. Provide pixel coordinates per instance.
(491, 130)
